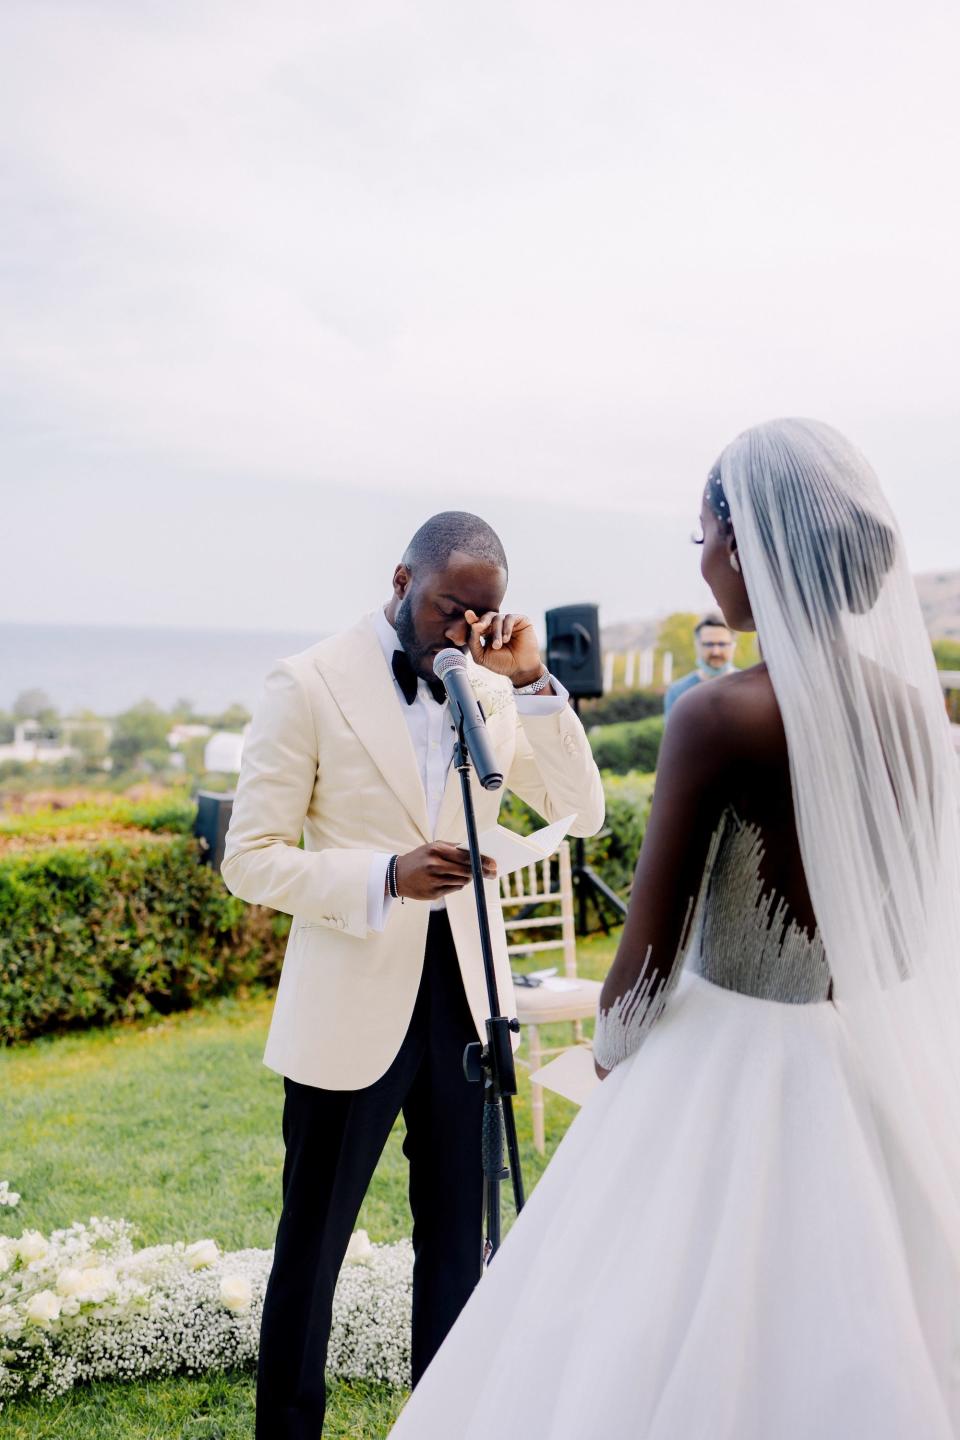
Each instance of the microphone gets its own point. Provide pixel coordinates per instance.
(450, 666)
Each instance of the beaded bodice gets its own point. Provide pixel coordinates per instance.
(739, 936)
(742, 937)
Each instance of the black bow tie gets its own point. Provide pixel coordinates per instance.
(406, 678)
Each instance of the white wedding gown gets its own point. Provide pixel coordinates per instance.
(723, 1247)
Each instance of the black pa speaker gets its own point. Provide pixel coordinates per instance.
(573, 649)
(210, 826)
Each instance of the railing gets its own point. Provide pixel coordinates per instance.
(636, 669)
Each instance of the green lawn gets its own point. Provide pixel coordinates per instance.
(176, 1126)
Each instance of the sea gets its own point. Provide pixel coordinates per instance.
(107, 669)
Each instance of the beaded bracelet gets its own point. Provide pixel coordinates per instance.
(392, 878)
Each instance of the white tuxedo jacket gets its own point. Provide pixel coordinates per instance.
(329, 756)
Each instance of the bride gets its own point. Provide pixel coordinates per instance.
(752, 1229)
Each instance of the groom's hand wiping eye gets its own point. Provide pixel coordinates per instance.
(491, 629)
(505, 644)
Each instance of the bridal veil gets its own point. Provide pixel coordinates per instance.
(876, 783)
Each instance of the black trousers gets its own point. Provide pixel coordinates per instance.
(333, 1140)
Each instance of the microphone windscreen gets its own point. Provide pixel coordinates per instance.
(447, 660)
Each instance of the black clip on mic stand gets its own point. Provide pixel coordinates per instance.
(493, 1063)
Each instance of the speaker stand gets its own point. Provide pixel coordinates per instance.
(587, 883)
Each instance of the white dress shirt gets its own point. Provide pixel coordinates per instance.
(431, 731)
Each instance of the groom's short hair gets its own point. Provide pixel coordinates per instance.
(450, 530)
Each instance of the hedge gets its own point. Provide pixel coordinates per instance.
(173, 812)
(100, 932)
(630, 746)
(621, 705)
(124, 925)
(613, 853)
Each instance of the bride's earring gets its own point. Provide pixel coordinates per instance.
(734, 561)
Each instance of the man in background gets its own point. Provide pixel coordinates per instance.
(715, 646)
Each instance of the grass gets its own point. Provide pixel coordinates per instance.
(216, 1407)
(176, 1126)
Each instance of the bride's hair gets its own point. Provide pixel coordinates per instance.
(828, 550)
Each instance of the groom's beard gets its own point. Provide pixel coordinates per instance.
(416, 652)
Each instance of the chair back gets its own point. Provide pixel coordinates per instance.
(548, 886)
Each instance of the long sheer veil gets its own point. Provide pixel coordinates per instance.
(876, 783)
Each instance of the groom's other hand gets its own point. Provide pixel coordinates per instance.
(432, 871)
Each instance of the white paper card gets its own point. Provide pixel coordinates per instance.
(571, 1075)
(513, 852)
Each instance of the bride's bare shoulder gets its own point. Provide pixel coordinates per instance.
(733, 715)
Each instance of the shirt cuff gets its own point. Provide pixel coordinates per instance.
(378, 901)
(543, 704)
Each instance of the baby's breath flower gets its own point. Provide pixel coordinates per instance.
(88, 1306)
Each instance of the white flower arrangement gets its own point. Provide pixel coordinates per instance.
(8, 1196)
(84, 1304)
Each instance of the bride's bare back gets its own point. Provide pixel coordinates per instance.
(724, 755)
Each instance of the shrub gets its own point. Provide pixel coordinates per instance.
(171, 811)
(947, 654)
(119, 928)
(142, 727)
(622, 705)
(15, 769)
(613, 853)
(629, 746)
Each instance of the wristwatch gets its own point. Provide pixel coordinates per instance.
(535, 686)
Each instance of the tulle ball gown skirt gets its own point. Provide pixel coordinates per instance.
(714, 1253)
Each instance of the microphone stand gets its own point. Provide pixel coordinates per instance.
(491, 1065)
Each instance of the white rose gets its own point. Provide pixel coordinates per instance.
(359, 1251)
(95, 1282)
(202, 1252)
(70, 1281)
(43, 1307)
(145, 1259)
(31, 1246)
(235, 1292)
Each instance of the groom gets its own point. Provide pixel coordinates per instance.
(382, 983)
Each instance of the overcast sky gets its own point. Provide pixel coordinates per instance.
(279, 280)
